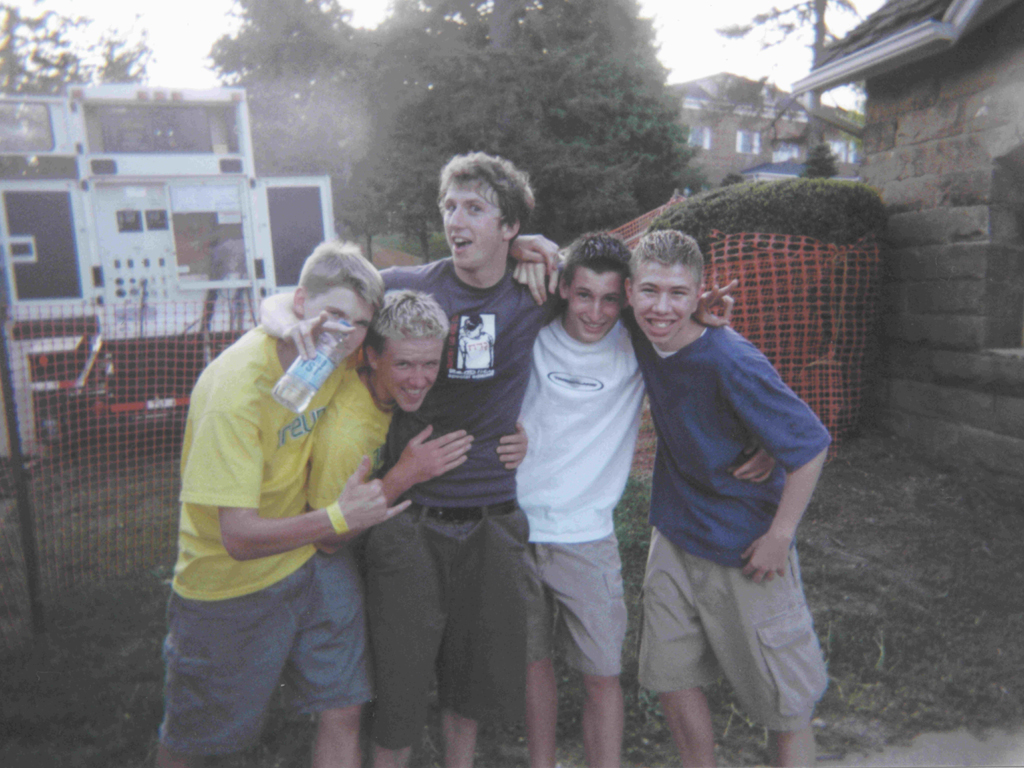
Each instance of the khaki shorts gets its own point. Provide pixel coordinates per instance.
(702, 619)
(582, 605)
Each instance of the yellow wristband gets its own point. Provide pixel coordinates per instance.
(337, 518)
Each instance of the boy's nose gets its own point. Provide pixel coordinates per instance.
(456, 216)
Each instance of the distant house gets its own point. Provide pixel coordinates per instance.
(738, 125)
(944, 144)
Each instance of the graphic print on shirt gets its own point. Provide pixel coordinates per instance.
(574, 381)
(474, 348)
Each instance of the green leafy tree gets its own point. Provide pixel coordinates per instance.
(42, 53)
(575, 95)
(821, 163)
(302, 65)
(570, 91)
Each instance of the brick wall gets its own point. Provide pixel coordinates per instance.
(936, 144)
(723, 159)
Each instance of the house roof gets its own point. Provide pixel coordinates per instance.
(726, 91)
(890, 18)
(788, 168)
(777, 171)
(897, 34)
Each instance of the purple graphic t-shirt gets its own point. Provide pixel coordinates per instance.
(484, 371)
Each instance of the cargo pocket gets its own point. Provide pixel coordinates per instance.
(793, 657)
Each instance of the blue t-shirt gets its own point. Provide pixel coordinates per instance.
(707, 399)
(484, 371)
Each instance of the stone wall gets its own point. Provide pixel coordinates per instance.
(943, 144)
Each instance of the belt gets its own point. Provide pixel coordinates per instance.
(467, 514)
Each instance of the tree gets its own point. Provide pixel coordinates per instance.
(575, 96)
(570, 91)
(40, 54)
(778, 25)
(306, 74)
(821, 163)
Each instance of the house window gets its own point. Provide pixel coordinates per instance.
(844, 151)
(748, 142)
(700, 136)
(785, 150)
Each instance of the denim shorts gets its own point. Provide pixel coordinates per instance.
(225, 658)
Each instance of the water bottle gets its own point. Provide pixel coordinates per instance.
(301, 381)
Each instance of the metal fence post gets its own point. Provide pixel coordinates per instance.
(20, 477)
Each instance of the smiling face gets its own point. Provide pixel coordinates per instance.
(595, 302)
(475, 233)
(664, 299)
(404, 371)
(341, 304)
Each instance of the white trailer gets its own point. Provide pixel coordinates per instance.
(128, 215)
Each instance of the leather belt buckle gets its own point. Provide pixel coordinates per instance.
(468, 514)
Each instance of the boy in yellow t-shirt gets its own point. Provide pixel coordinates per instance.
(252, 602)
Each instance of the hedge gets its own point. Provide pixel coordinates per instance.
(832, 211)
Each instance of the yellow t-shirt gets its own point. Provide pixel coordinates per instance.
(243, 449)
(351, 427)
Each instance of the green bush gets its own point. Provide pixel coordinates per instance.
(832, 211)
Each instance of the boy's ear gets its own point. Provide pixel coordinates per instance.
(372, 358)
(563, 289)
(508, 231)
(299, 302)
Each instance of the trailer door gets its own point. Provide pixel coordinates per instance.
(297, 215)
(38, 240)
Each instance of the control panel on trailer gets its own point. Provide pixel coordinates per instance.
(131, 213)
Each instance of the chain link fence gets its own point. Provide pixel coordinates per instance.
(89, 481)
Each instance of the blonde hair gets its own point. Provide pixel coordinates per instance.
(668, 247)
(407, 315)
(336, 264)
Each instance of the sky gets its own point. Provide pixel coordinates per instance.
(182, 31)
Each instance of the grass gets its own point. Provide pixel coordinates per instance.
(911, 571)
(436, 247)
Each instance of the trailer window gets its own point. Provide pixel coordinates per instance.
(25, 127)
(129, 221)
(156, 219)
(153, 129)
(208, 241)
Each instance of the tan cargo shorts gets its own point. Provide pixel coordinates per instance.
(582, 605)
(702, 619)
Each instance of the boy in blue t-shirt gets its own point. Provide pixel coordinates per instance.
(722, 592)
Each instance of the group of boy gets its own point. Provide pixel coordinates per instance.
(461, 584)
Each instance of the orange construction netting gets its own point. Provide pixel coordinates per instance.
(810, 308)
(101, 401)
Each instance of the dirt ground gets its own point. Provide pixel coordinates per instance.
(914, 575)
(912, 570)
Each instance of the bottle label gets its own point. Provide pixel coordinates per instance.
(313, 372)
